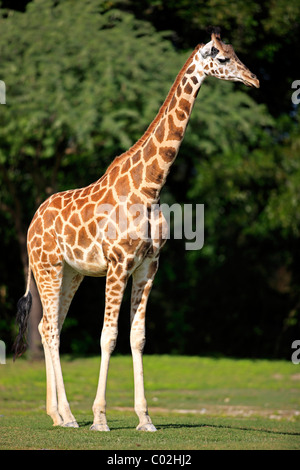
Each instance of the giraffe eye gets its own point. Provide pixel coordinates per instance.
(223, 61)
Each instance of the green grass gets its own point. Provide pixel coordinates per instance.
(195, 403)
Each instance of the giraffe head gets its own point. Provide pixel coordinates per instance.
(219, 60)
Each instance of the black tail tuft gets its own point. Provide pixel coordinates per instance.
(23, 306)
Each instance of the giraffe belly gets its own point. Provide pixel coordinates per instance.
(90, 262)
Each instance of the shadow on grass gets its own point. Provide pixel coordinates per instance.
(222, 426)
(115, 426)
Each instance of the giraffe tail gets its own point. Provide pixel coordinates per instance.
(23, 310)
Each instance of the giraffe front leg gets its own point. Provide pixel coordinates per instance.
(113, 297)
(141, 287)
(137, 341)
(107, 343)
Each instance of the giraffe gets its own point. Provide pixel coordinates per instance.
(92, 231)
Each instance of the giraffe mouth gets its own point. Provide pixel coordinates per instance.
(250, 80)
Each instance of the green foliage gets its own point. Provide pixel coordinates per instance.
(282, 209)
(85, 92)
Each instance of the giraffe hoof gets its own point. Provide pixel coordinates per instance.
(146, 427)
(99, 427)
(72, 424)
(58, 422)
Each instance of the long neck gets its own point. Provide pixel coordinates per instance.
(148, 162)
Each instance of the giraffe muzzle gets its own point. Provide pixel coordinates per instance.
(251, 80)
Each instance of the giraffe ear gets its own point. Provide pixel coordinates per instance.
(205, 51)
(209, 51)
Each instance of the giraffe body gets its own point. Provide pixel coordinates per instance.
(107, 229)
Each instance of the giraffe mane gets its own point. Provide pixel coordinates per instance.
(121, 158)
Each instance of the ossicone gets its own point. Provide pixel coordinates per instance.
(215, 32)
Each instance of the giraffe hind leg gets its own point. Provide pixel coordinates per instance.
(55, 310)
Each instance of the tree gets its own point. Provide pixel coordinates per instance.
(82, 84)
(83, 81)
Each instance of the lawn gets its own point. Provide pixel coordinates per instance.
(195, 403)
